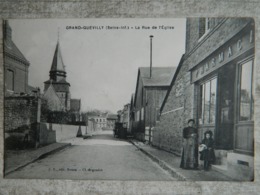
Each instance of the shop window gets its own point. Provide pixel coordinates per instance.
(207, 109)
(246, 99)
(10, 80)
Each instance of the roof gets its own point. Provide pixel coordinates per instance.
(54, 102)
(112, 116)
(75, 104)
(10, 48)
(161, 76)
(57, 62)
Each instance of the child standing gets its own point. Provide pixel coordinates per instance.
(208, 154)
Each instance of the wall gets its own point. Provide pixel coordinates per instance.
(46, 136)
(216, 38)
(64, 132)
(20, 74)
(14, 118)
(167, 133)
(19, 125)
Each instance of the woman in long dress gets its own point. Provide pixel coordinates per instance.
(189, 159)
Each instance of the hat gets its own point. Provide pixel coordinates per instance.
(191, 120)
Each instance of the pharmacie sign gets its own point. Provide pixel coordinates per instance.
(222, 56)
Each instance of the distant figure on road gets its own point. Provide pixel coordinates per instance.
(207, 154)
(189, 158)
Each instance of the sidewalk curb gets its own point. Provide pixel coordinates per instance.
(162, 164)
(36, 158)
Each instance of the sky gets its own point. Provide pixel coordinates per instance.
(101, 62)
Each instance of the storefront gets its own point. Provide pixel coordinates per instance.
(224, 93)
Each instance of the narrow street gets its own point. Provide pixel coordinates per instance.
(100, 157)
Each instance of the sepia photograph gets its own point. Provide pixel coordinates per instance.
(165, 99)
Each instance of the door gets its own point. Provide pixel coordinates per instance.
(226, 91)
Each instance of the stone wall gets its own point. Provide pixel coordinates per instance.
(64, 132)
(167, 133)
(20, 112)
(23, 127)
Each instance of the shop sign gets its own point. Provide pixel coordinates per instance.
(226, 54)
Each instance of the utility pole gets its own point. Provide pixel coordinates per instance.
(150, 114)
(151, 53)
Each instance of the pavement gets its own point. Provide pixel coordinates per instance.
(16, 159)
(171, 163)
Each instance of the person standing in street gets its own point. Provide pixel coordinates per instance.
(189, 158)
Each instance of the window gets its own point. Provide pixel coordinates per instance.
(246, 99)
(204, 27)
(9, 80)
(207, 109)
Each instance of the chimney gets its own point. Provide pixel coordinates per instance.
(7, 33)
(151, 37)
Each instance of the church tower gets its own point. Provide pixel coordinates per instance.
(57, 81)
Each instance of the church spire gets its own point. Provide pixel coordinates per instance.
(57, 71)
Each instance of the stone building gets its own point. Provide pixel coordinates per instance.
(15, 65)
(214, 84)
(100, 121)
(57, 89)
(149, 94)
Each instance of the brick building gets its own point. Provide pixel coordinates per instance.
(15, 65)
(149, 94)
(214, 85)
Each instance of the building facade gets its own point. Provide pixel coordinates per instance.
(15, 65)
(100, 121)
(149, 94)
(214, 85)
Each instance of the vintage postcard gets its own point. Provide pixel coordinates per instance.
(129, 99)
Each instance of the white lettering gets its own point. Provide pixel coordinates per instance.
(202, 70)
(239, 45)
(197, 73)
(213, 62)
(229, 51)
(206, 67)
(221, 57)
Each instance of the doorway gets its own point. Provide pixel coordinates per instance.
(225, 120)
